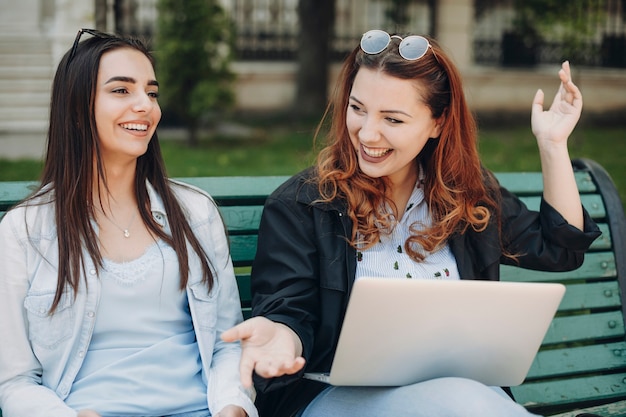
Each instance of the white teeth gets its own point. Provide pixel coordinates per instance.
(375, 153)
(135, 126)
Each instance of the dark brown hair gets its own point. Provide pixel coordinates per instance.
(68, 174)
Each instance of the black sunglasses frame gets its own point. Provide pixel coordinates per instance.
(92, 32)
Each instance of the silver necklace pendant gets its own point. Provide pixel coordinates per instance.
(125, 231)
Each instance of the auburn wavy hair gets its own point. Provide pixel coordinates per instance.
(459, 192)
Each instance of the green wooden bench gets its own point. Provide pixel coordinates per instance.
(582, 362)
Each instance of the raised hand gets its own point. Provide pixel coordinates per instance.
(270, 349)
(552, 128)
(555, 124)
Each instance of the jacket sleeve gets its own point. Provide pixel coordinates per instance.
(285, 272)
(223, 379)
(543, 240)
(21, 391)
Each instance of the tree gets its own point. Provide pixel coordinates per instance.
(316, 19)
(100, 14)
(193, 49)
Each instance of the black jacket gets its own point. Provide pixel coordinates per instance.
(304, 269)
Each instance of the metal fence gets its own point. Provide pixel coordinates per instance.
(268, 29)
(587, 32)
(132, 17)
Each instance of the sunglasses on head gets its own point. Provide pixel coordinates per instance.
(92, 32)
(411, 48)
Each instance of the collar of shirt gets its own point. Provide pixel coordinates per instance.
(388, 258)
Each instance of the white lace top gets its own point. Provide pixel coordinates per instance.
(143, 355)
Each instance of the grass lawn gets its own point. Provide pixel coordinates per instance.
(516, 150)
(286, 150)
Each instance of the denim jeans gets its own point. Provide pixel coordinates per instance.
(442, 397)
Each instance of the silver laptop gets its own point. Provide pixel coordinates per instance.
(402, 331)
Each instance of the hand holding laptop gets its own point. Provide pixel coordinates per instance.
(268, 348)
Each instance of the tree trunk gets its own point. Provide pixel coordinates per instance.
(316, 30)
(193, 133)
(101, 15)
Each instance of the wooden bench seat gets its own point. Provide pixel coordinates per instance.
(582, 362)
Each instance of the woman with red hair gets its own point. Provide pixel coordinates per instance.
(398, 192)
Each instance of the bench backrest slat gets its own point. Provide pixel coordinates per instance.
(531, 183)
(597, 265)
(573, 392)
(564, 362)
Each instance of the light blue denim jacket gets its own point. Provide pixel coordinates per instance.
(40, 355)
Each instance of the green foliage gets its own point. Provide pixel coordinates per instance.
(193, 49)
(572, 23)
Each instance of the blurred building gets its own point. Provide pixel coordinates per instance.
(501, 75)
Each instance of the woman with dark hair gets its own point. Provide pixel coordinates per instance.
(116, 281)
(398, 192)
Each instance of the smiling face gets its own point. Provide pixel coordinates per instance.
(389, 124)
(126, 108)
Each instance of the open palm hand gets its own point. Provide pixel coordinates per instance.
(269, 349)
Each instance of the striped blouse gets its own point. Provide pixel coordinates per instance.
(388, 258)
